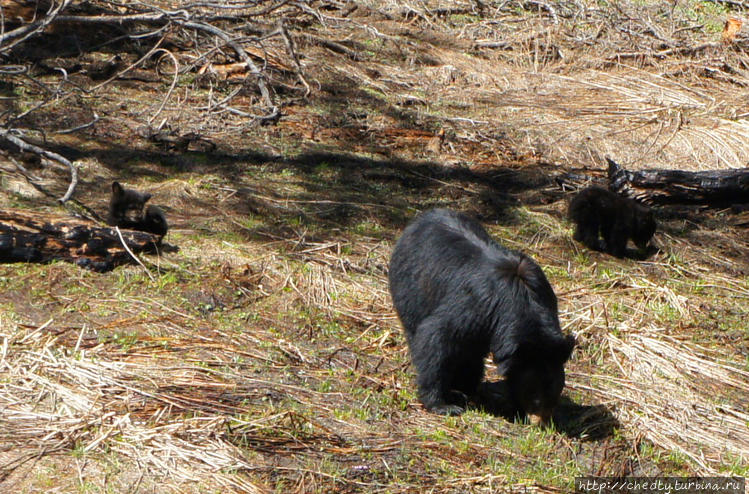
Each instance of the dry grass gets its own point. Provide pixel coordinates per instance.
(692, 398)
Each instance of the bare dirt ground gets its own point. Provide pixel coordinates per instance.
(264, 355)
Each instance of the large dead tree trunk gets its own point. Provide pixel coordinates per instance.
(27, 236)
(712, 188)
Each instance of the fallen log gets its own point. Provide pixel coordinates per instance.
(27, 236)
(718, 188)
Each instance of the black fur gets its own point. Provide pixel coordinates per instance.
(154, 221)
(461, 295)
(617, 219)
(126, 211)
(126, 205)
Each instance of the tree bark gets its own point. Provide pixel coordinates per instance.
(713, 188)
(27, 236)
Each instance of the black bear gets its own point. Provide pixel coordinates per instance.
(126, 211)
(460, 296)
(154, 221)
(597, 210)
(126, 205)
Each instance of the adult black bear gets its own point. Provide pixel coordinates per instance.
(126, 211)
(460, 295)
(597, 210)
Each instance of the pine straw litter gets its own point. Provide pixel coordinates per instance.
(678, 395)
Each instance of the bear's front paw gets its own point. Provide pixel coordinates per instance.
(447, 410)
(454, 403)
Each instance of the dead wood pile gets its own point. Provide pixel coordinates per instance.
(41, 237)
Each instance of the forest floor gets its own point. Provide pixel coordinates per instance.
(265, 355)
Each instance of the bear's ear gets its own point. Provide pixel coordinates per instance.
(117, 189)
(567, 346)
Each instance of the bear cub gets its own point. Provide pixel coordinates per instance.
(154, 221)
(460, 296)
(126, 211)
(598, 211)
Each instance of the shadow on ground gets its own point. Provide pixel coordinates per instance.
(331, 189)
(584, 422)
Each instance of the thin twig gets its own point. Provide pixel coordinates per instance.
(292, 53)
(132, 65)
(25, 32)
(127, 249)
(25, 146)
(79, 127)
(242, 54)
(174, 81)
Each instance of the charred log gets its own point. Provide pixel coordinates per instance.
(27, 236)
(718, 188)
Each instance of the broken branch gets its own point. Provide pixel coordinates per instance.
(25, 146)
